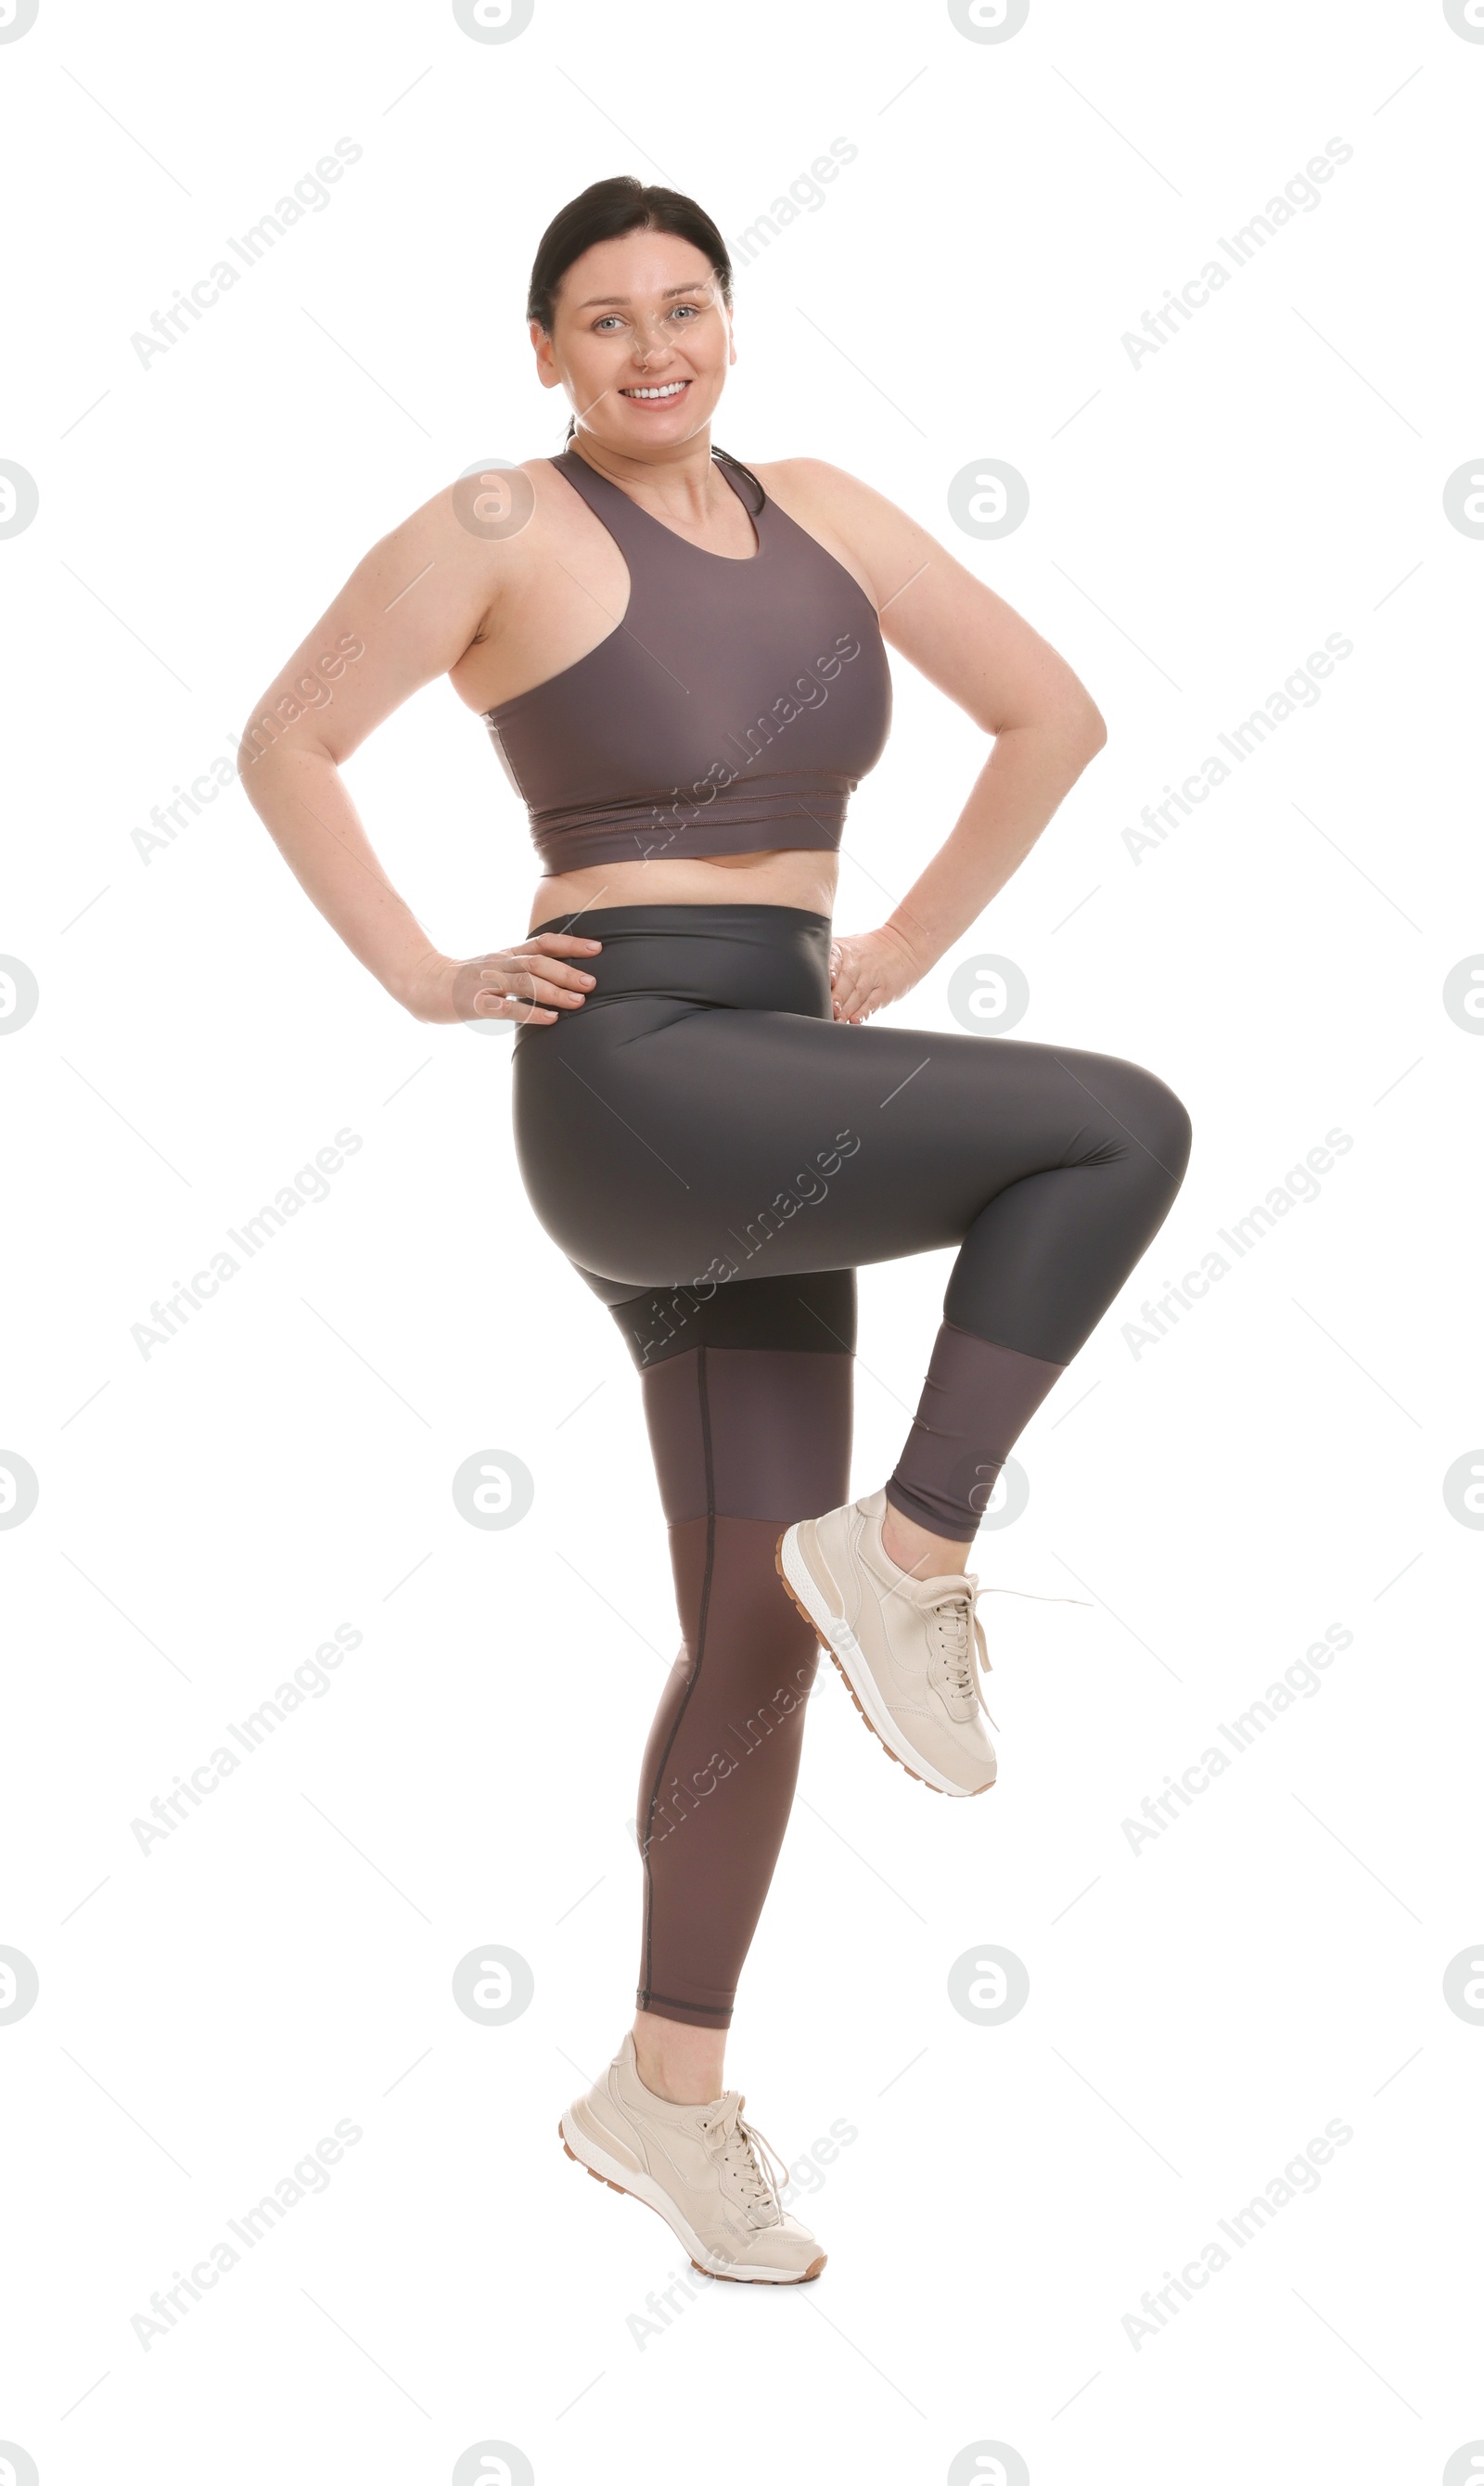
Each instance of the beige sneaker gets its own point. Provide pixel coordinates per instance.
(706, 2168)
(910, 1649)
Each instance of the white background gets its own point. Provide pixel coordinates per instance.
(1274, 1464)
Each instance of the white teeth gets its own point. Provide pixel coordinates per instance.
(672, 390)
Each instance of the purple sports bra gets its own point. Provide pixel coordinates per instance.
(735, 707)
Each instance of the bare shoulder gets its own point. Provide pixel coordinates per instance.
(458, 569)
(424, 597)
(473, 526)
(879, 543)
(438, 571)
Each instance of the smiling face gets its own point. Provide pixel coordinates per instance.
(641, 343)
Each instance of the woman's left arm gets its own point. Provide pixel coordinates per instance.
(976, 648)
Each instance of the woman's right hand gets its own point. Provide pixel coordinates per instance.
(530, 981)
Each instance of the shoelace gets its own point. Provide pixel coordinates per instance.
(960, 1637)
(747, 2155)
(905, 1583)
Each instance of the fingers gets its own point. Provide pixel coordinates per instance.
(854, 1008)
(561, 983)
(853, 985)
(861, 982)
(523, 996)
(529, 981)
(573, 979)
(855, 998)
(504, 986)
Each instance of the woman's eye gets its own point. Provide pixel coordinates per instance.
(615, 318)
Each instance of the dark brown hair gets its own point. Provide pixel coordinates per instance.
(602, 212)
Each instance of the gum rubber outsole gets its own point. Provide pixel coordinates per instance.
(792, 1593)
(813, 2272)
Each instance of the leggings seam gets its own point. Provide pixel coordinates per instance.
(717, 2010)
(694, 1673)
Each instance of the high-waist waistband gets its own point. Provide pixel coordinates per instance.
(742, 957)
(748, 812)
(714, 917)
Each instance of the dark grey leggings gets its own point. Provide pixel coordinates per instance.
(717, 1155)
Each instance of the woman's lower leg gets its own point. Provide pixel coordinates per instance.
(918, 1549)
(977, 1398)
(677, 2061)
(749, 1418)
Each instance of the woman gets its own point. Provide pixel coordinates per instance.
(682, 665)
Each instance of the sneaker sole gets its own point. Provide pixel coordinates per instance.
(641, 2188)
(799, 1582)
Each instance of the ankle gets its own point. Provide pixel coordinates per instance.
(676, 2062)
(915, 1549)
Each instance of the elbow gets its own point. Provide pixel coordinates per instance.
(253, 742)
(1072, 729)
(1088, 731)
(1080, 733)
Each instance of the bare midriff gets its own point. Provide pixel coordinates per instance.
(783, 876)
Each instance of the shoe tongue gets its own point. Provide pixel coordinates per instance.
(941, 1582)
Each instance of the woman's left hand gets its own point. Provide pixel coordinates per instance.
(867, 969)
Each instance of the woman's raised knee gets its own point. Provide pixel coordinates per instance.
(1148, 1113)
(1165, 1126)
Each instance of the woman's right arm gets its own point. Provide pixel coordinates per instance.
(406, 614)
